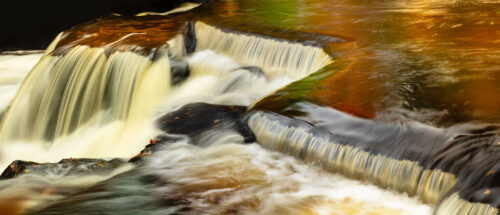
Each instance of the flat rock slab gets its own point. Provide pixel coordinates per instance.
(65, 167)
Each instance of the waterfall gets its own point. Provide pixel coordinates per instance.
(186, 82)
(454, 204)
(13, 70)
(320, 148)
(273, 56)
(402, 175)
(84, 101)
(63, 93)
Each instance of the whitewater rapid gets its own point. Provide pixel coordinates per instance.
(14, 67)
(246, 177)
(228, 175)
(230, 84)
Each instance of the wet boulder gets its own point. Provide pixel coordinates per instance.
(193, 120)
(65, 167)
(189, 36)
(475, 160)
(154, 145)
(193, 123)
(18, 167)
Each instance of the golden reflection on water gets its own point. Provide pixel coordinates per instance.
(10, 207)
(447, 53)
(465, 36)
(414, 55)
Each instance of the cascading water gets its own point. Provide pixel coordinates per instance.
(402, 170)
(85, 81)
(99, 87)
(272, 56)
(62, 94)
(77, 96)
(213, 78)
(14, 68)
(228, 175)
(402, 175)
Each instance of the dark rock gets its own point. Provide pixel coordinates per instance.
(189, 38)
(194, 122)
(154, 145)
(18, 167)
(65, 167)
(475, 160)
(195, 119)
(179, 71)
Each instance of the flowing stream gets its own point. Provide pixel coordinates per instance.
(366, 113)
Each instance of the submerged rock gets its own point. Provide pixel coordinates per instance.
(126, 193)
(254, 70)
(475, 160)
(65, 167)
(179, 71)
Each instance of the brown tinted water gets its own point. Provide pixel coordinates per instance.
(430, 61)
(433, 61)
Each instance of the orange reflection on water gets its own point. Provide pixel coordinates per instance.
(445, 55)
(12, 206)
(124, 34)
(426, 54)
(353, 89)
(465, 37)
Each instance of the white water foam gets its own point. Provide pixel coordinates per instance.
(215, 79)
(225, 175)
(247, 179)
(274, 57)
(13, 69)
(218, 79)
